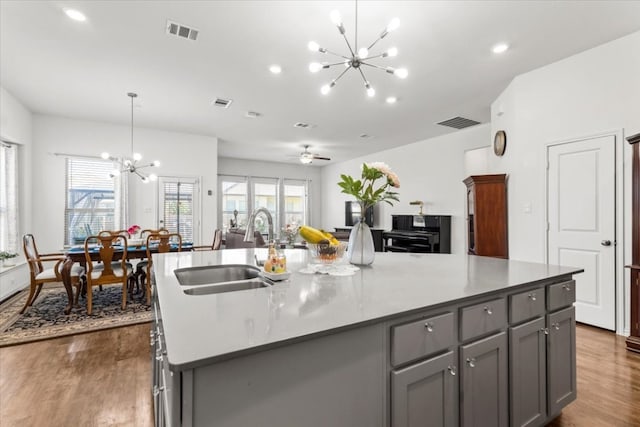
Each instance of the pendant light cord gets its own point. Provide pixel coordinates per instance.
(356, 26)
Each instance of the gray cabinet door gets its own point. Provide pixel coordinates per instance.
(561, 358)
(484, 381)
(426, 394)
(528, 373)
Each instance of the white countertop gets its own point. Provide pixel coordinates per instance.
(201, 329)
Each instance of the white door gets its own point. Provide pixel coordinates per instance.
(178, 206)
(581, 229)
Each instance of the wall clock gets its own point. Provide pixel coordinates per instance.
(500, 143)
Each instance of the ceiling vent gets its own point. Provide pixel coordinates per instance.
(223, 103)
(365, 136)
(459, 123)
(252, 114)
(302, 125)
(179, 30)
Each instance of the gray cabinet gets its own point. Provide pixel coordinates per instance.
(426, 394)
(484, 399)
(561, 359)
(528, 373)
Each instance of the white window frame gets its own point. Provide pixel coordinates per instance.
(10, 198)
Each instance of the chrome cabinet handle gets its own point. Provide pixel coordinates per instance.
(545, 330)
(566, 287)
(452, 370)
(429, 326)
(488, 310)
(556, 326)
(532, 296)
(471, 361)
(606, 243)
(157, 390)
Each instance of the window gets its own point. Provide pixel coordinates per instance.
(8, 197)
(179, 206)
(90, 199)
(295, 202)
(286, 199)
(234, 202)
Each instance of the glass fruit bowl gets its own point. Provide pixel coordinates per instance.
(327, 253)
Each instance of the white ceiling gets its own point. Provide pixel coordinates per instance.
(84, 70)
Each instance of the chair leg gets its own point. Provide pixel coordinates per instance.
(124, 293)
(32, 290)
(37, 293)
(89, 299)
(148, 290)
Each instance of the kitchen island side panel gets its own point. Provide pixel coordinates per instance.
(335, 380)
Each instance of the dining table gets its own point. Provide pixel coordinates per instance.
(76, 254)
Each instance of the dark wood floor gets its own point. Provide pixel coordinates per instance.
(103, 379)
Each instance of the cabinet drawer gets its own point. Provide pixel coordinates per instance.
(421, 338)
(480, 319)
(561, 295)
(526, 305)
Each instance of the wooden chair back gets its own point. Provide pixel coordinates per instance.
(162, 242)
(31, 254)
(110, 270)
(217, 239)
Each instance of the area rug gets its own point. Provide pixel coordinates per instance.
(46, 318)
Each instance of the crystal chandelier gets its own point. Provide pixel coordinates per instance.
(131, 165)
(357, 57)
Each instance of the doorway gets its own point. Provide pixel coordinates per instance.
(581, 222)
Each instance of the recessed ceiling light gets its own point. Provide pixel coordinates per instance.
(391, 100)
(76, 15)
(275, 69)
(500, 48)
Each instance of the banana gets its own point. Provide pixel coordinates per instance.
(313, 235)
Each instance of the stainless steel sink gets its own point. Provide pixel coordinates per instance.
(211, 274)
(240, 285)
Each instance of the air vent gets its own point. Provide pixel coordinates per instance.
(459, 123)
(303, 125)
(223, 103)
(252, 114)
(365, 136)
(182, 31)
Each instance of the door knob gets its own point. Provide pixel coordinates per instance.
(606, 243)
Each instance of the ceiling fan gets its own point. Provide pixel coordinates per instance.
(307, 158)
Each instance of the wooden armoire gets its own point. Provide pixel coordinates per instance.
(487, 224)
(633, 341)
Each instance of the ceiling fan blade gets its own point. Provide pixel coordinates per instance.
(321, 158)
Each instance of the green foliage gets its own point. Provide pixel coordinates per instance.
(363, 189)
(7, 255)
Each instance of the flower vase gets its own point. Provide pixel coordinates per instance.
(361, 250)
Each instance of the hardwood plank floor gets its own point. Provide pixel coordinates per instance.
(103, 379)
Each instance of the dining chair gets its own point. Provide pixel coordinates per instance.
(140, 274)
(235, 239)
(111, 271)
(159, 243)
(40, 275)
(217, 242)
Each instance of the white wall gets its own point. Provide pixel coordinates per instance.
(180, 155)
(231, 166)
(15, 126)
(587, 94)
(430, 170)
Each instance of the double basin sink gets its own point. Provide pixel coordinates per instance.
(214, 279)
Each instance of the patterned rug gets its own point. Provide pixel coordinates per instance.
(46, 318)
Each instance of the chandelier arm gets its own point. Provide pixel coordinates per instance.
(337, 54)
(374, 43)
(382, 55)
(341, 74)
(334, 64)
(141, 175)
(373, 65)
(366, 82)
(348, 45)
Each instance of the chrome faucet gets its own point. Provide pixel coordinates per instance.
(248, 236)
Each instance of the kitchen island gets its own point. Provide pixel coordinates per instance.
(414, 339)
